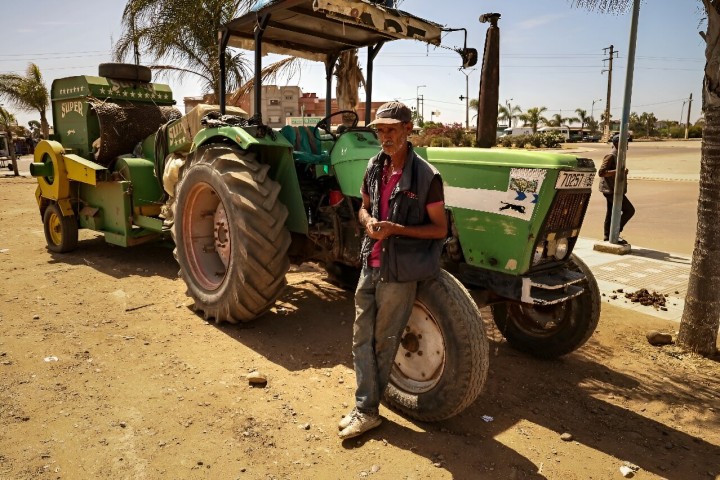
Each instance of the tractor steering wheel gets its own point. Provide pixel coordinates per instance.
(350, 119)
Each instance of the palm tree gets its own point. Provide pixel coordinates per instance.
(582, 117)
(474, 104)
(556, 120)
(533, 117)
(700, 321)
(27, 93)
(183, 33)
(7, 122)
(509, 113)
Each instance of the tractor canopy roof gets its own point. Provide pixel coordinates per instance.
(322, 29)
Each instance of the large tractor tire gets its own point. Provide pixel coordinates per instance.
(442, 362)
(61, 232)
(230, 236)
(554, 330)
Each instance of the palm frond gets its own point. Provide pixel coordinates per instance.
(287, 67)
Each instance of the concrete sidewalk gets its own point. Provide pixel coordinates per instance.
(662, 272)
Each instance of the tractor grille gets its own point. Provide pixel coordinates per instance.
(567, 212)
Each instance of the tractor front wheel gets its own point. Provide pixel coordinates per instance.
(442, 361)
(61, 232)
(230, 236)
(552, 330)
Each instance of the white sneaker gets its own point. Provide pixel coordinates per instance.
(359, 424)
(345, 421)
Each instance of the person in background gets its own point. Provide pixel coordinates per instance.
(403, 214)
(607, 174)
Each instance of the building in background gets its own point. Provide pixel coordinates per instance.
(287, 105)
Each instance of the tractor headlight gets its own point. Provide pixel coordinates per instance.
(561, 248)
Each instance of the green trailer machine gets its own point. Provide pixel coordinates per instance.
(241, 201)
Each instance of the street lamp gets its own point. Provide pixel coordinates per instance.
(466, 97)
(592, 108)
(417, 103)
(510, 120)
(681, 112)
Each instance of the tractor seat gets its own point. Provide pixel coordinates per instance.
(306, 144)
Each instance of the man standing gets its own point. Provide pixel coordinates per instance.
(607, 174)
(403, 213)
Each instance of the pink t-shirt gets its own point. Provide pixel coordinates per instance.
(386, 190)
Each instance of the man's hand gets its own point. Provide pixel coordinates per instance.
(379, 230)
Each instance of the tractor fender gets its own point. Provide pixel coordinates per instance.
(240, 136)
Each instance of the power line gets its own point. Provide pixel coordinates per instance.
(49, 53)
(34, 59)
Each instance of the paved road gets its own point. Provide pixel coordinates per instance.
(663, 186)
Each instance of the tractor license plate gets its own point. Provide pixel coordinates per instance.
(567, 180)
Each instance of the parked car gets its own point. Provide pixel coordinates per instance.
(591, 137)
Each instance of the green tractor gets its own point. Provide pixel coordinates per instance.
(242, 201)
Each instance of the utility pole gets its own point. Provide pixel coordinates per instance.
(417, 103)
(606, 128)
(620, 177)
(466, 97)
(687, 124)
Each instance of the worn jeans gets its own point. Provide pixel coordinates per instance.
(627, 209)
(382, 310)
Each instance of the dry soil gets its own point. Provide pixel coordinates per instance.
(107, 373)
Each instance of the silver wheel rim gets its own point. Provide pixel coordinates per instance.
(420, 359)
(206, 236)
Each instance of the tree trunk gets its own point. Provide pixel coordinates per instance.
(701, 316)
(11, 152)
(44, 126)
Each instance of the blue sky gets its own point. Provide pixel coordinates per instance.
(551, 54)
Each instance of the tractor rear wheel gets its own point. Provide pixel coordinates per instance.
(442, 361)
(230, 236)
(61, 232)
(553, 330)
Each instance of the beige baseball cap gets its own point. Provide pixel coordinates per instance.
(392, 112)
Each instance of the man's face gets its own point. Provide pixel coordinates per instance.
(393, 136)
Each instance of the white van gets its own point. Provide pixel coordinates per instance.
(564, 131)
(517, 131)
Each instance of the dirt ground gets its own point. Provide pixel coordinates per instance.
(105, 372)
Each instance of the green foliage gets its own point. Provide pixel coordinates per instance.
(184, 33)
(534, 117)
(439, 135)
(695, 131)
(440, 142)
(534, 140)
(27, 92)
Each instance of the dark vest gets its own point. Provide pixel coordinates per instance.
(404, 259)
